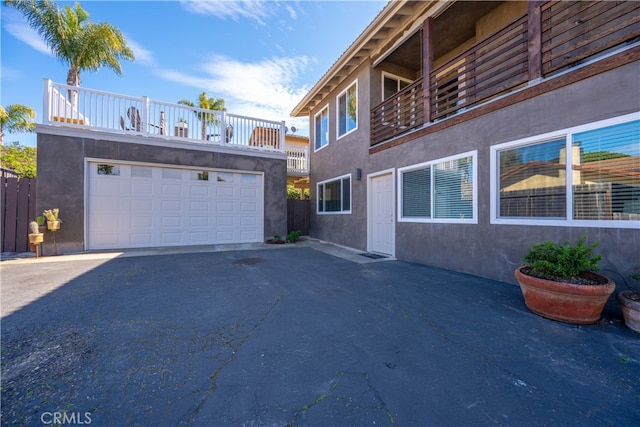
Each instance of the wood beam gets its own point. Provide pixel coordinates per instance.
(534, 34)
(427, 66)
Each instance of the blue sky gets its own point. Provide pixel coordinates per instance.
(260, 56)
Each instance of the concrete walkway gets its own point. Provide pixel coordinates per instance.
(308, 334)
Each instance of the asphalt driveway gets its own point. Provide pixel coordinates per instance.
(297, 336)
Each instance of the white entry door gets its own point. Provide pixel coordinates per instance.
(131, 206)
(382, 217)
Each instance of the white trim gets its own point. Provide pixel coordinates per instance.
(240, 150)
(568, 221)
(338, 178)
(315, 149)
(474, 185)
(391, 76)
(338, 136)
(370, 178)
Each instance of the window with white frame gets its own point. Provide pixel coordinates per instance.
(443, 190)
(587, 173)
(392, 84)
(321, 125)
(334, 196)
(348, 110)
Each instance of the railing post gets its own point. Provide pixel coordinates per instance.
(534, 35)
(282, 132)
(46, 101)
(427, 66)
(145, 115)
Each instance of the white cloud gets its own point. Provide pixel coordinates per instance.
(143, 56)
(266, 89)
(17, 26)
(257, 10)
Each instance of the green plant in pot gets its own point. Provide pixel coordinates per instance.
(630, 303)
(53, 220)
(559, 281)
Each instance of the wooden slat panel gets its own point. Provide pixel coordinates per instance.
(10, 215)
(22, 215)
(575, 31)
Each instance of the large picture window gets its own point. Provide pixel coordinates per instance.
(348, 110)
(321, 126)
(440, 191)
(587, 173)
(334, 196)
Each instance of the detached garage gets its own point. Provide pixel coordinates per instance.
(122, 191)
(141, 205)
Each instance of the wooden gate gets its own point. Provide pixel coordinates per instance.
(298, 212)
(17, 209)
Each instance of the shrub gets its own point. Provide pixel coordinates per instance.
(552, 260)
(293, 236)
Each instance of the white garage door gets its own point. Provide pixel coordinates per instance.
(131, 206)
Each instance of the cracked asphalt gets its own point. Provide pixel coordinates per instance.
(296, 336)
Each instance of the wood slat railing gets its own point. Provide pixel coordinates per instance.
(398, 114)
(573, 31)
(488, 69)
(568, 33)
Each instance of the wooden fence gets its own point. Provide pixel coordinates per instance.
(17, 209)
(298, 212)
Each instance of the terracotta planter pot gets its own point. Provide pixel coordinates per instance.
(566, 302)
(630, 310)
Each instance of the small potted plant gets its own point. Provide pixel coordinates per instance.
(35, 236)
(53, 221)
(630, 302)
(560, 282)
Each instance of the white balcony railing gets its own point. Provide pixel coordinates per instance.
(297, 160)
(96, 110)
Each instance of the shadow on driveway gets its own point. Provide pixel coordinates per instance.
(296, 336)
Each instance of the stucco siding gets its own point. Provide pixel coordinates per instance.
(61, 177)
(486, 249)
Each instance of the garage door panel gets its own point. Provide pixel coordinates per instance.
(224, 221)
(199, 191)
(199, 206)
(248, 193)
(145, 221)
(144, 188)
(170, 238)
(147, 206)
(170, 205)
(248, 221)
(171, 189)
(141, 239)
(224, 206)
(248, 235)
(248, 207)
(224, 191)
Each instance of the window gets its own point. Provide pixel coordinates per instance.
(587, 173)
(321, 123)
(348, 110)
(106, 169)
(439, 191)
(335, 196)
(392, 84)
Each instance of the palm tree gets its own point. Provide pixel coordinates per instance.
(215, 104)
(74, 39)
(16, 118)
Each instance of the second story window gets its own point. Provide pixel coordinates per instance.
(321, 124)
(348, 110)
